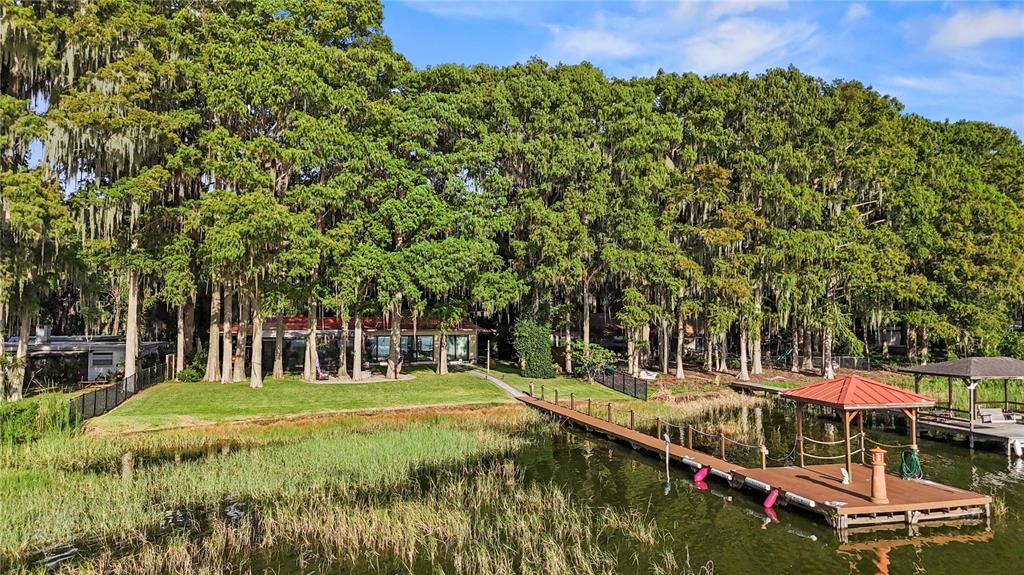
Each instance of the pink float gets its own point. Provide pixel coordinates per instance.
(702, 473)
(769, 501)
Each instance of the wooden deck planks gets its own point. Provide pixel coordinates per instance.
(843, 505)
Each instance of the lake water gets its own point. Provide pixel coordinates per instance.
(731, 529)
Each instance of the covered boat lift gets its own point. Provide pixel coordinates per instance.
(1001, 424)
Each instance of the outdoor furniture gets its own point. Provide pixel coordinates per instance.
(995, 415)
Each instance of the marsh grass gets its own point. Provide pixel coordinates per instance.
(47, 499)
(472, 519)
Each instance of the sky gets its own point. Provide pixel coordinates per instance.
(942, 60)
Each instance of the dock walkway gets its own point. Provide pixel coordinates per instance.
(816, 488)
(751, 387)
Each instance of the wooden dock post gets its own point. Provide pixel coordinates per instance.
(572, 401)
(659, 427)
(609, 412)
(764, 457)
(721, 444)
(860, 428)
(632, 419)
(800, 431)
(588, 406)
(531, 391)
(542, 392)
(689, 436)
(556, 396)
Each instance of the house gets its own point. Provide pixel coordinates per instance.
(419, 344)
(96, 356)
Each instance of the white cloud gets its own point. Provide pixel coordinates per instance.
(738, 44)
(967, 28)
(583, 43)
(855, 12)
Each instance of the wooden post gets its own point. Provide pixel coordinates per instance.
(488, 358)
(764, 457)
(609, 412)
(659, 427)
(912, 423)
(531, 391)
(572, 401)
(1006, 395)
(860, 429)
(970, 407)
(632, 419)
(689, 436)
(588, 406)
(721, 444)
(878, 489)
(556, 396)
(800, 431)
(847, 416)
(949, 393)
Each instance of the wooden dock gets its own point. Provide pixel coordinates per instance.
(750, 387)
(1002, 433)
(815, 488)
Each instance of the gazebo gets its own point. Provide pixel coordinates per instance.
(851, 396)
(972, 371)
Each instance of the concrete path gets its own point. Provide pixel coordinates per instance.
(501, 384)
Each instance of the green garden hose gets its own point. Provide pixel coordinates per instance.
(910, 465)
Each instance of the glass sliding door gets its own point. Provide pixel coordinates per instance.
(458, 348)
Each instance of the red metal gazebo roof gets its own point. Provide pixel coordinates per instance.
(854, 392)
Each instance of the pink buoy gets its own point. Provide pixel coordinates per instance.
(769, 501)
(701, 474)
(703, 486)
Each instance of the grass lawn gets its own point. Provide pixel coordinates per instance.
(177, 404)
(564, 385)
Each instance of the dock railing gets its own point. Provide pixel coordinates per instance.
(607, 411)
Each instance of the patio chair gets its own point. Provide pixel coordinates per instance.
(995, 415)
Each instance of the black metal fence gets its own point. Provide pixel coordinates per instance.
(622, 382)
(99, 401)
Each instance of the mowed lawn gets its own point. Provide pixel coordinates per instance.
(564, 385)
(175, 404)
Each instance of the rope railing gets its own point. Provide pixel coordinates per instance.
(840, 442)
(890, 446)
(831, 457)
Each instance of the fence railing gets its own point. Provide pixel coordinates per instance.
(621, 382)
(99, 401)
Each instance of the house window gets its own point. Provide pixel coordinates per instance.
(102, 359)
(458, 348)
(424, 348)
(379, 347)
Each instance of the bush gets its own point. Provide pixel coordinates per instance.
(196, 369)
(585, 356)
(533, 344)
(27, 420)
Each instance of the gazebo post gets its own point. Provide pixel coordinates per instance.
(800, 431)
(911, 414)
(949, 395)
(847, 416)
(1006, 395)
(860, 430)
(917, 383)
(970, 406)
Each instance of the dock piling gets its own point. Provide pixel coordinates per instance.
(632, 419)
(609, 412)
(721, 444)
(556, 396)
(572, 401)
(659, 426)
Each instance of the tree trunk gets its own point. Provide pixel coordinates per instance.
(279, 346)
(630, 352)
(643, 358)
(256, 377)
(568, 347)
(586, 316)
(20, 357)
(794, 356)
(923, 338)
(808, 349)
(756, 368)
(723, 352)
(310, 363)
(357, 348)
(131, 338)
(243, 336)
(190, 327)
(179, 349)
(442, 354)
(395, 347)
(826, 354)
(744, 374)
(343, 343)
(227, 355)
(663, 348)
(213, 351)
(680, 345)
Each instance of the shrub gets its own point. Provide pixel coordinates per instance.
(196, 369)
(585, 356)
(29, 419)
(533, 344)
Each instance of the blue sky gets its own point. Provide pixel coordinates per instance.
(943, 60)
